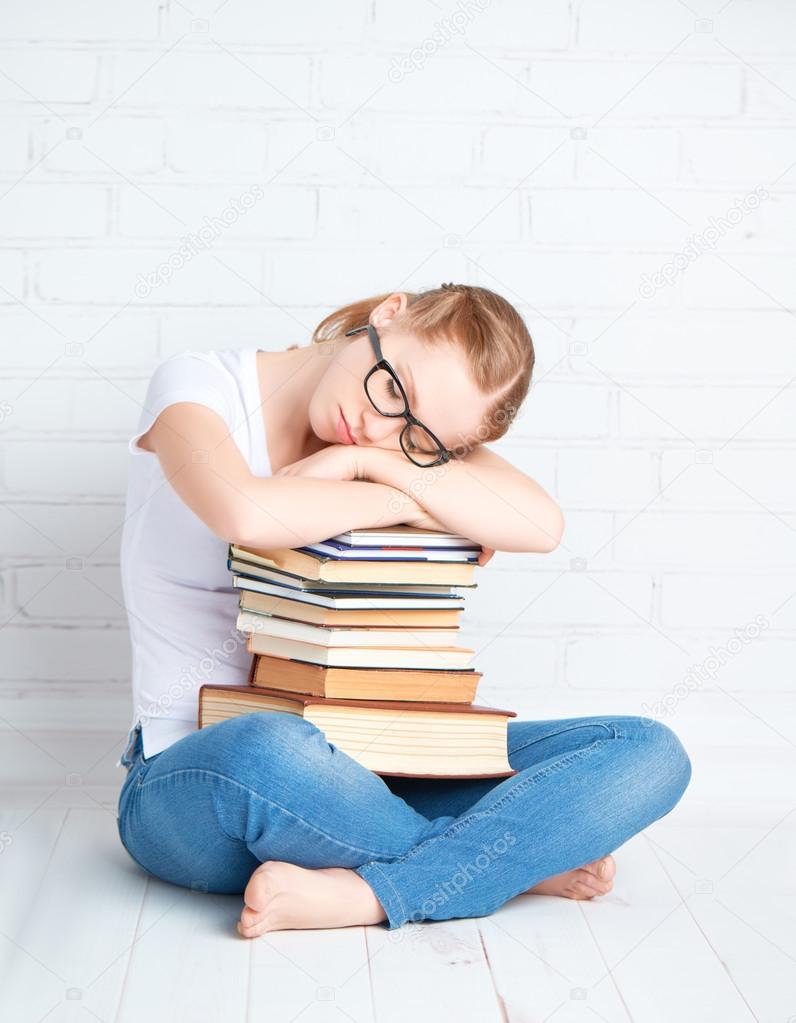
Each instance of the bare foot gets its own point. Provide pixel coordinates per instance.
(281, 896)
(583, 883)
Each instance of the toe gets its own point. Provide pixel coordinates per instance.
(260, 887)
(603, 869)
(593, 885)
(584, 888)
(249, 917)
(252, 931)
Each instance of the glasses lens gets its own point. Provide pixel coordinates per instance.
(418, 442)
(384, 393)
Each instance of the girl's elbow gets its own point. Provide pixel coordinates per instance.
(553, 531)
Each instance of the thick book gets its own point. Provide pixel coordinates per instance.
(359, 657)
(390, 737)
(300, 611)
(359, 599)
(408, 536)
(456, 686)
(323, 568)
(336, 636)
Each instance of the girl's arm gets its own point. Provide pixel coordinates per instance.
(294, 511)
(481, 496)
(205, 467)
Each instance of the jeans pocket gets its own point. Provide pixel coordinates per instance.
(143, 765)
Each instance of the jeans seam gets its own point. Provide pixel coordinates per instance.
(223, 777)
(517, 791)
(616, 733)
(396, 894)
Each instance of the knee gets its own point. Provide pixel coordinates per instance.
(666, 762)
(671, 749)
(268, 743)
(265, 726)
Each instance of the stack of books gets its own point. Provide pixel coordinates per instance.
(357, 634)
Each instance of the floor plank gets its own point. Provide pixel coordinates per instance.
(739, 885)
(660, 961)
(74, 941)
(315, 975)
(188, 964)
(28, 834)
(545, 961)
(418, 968)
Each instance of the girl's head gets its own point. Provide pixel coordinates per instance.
(463, 355)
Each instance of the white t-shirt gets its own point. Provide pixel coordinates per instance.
(181, 605)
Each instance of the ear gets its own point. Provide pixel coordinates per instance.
(391, 307)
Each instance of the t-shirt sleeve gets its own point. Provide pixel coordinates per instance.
(188, 376)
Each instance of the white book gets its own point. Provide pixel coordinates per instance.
(395, 536)
(361, 657)
(270, 625)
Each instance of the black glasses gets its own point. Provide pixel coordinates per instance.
(418, 443)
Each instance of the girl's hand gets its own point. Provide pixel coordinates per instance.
(335, 462)
(485, 555)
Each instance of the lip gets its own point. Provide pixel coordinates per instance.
(342, 430)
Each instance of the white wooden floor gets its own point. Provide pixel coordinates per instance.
(701, 924)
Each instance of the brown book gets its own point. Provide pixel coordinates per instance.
(298, 611)
(364, 683)
(390, 737)
(318, 567)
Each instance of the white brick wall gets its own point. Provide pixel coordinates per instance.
(562, 155)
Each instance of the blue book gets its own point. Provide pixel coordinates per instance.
(341, 551)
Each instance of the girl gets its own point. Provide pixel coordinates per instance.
(381, 420)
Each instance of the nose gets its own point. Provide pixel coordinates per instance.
(378, 428)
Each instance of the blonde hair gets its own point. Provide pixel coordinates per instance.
(492, 333)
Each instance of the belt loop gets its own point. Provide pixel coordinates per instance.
(126, 759)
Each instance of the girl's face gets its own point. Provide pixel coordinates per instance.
(436, 380)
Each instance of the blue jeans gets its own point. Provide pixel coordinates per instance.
(206, 811)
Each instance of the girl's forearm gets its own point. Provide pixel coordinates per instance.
(291, 511)
(497, 508)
